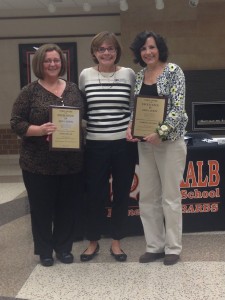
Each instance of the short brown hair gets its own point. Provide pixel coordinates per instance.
(39, 57)
(101, 38)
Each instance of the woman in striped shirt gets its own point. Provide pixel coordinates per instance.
(108, 90)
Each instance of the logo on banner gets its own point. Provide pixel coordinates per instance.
(201, 186)
(200, 189)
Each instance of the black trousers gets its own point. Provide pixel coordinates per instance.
(55, 208)
(105, 158)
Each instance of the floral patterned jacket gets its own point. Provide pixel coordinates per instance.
(171, 83)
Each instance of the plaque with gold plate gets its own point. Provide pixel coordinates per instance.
(149, 112)
(67, 136)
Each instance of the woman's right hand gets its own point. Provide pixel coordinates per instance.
(129, 136)
(44, 129)
(47, 128)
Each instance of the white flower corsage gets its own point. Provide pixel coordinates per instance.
(163, 130)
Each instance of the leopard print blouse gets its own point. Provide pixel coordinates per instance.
(32, 107)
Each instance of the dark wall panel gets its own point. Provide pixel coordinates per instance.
(204, 86)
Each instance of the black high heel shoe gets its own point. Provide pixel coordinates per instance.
(87, 257)
(119, 257)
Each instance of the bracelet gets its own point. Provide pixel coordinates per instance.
(163, 130)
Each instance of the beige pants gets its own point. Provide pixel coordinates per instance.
(161, 172)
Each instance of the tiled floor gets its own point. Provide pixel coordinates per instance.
(200, 274)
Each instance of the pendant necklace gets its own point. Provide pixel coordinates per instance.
(110, 78)
(53, 91)
(51, 88)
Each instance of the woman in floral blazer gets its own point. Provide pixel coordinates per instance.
(162, 153)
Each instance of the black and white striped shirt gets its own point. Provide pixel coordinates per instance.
(108, 98)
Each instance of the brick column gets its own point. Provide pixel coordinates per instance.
(9, 142)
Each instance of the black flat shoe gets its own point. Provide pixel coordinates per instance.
(65, 257)
(119, 257)
(46, 261)
(87, 257)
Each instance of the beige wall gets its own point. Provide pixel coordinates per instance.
(196, 38)
(15, 32)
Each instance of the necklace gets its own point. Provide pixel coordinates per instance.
(53, 89)
(109, 80)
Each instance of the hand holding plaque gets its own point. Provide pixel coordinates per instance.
(149, 111)
(67, 136)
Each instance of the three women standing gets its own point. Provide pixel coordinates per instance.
(50, 177)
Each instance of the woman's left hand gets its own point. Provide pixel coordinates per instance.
(153, 138)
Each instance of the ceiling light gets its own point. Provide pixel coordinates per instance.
(86, 6)
(123, 5)
(193, 3)
(159, 4)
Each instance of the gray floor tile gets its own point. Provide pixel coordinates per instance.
(199, 275)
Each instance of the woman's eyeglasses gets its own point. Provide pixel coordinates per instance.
(109, 49)
(55, 61)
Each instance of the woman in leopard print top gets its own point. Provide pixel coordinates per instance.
(52, 178)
